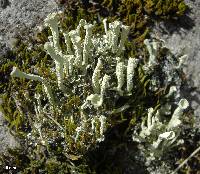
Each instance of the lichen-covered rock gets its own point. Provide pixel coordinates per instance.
(93, 80)
(90, 84)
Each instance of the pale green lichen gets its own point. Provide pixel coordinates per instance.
(93, 73)
(71, 67)
(158, 134)
(17, 73)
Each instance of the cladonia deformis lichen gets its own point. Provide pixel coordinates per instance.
(93, 71)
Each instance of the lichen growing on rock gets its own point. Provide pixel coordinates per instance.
(90, 85)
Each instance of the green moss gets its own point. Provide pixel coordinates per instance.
(139, 14)
(165, 9)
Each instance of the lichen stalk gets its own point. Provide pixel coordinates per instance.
(68, 44)
(17, 73)
(76, 41)
(120, 67)
(59, 63)
(87, 44)
(96, 76)
(132, 64)
(52, 22)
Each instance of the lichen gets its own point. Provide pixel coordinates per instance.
(93, 109)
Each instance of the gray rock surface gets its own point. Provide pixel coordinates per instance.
(22, 15)
(6, 139)
(183, 37)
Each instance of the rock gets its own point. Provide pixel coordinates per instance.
(183, 37)
(6, 139)
(17, 16)
(4, 3)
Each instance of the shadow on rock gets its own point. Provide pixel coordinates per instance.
(191, 92)
(4, 3)
(115, 155)
(170, 26)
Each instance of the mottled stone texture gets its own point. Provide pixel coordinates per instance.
(17, 16)
(6, 139)
(183, 37)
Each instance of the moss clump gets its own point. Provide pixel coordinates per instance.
(138, 14)
(165, 9)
